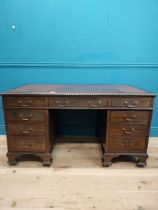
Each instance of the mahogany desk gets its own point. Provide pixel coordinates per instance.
(123, 127)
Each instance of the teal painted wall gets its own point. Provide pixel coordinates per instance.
(86, 41)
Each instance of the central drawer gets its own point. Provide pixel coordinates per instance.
(26, 129)
(77, 102)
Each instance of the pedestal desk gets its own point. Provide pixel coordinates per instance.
(123, 126)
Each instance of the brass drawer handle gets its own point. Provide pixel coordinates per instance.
(94, 103)
(26, 131)
(58, 103)
(66, 102)
(131, 105)
(130, 119)
(127, 141)
(27, 145)
(62, 103)
(24, 105)
(128, 131)
(25, 118)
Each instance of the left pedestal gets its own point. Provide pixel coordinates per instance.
(28, 128)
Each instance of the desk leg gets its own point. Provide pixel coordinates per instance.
(142, 160)
(107, 159)
(46, 159)
(11, 159)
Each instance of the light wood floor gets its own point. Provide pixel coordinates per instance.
(77, 181)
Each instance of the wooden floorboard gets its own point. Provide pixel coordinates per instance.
(77, 181)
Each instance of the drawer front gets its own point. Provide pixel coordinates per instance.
(25, 115)
(26, 129)
(130, 116)
(131, 102)
(124, 129)
(26, 144)
(88, 103)
(127, 144)
(24, 102)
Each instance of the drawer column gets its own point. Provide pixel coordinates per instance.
(127, 133)
(28, 127)
(28, 133)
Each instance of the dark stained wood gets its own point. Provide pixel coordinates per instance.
(140, 157)
(14, 157)
(23, 102)
(127, 144)
(31, 121)
(128, 129)
(81, 102)
(24, 115)
(131, 102)
(130, 116)
(26, 129)
(28, 137)
(27, 143)
(127, 136)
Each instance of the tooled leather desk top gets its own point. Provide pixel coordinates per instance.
(78, 89)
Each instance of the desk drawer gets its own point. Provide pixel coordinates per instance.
(127, 144)
(125, 129)
(131, 102)
(130, 116)
(26, 129)
(25, 115)
(24, 102)
(26, 144)
(88, 103)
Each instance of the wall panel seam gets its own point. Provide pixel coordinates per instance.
(80, 65)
